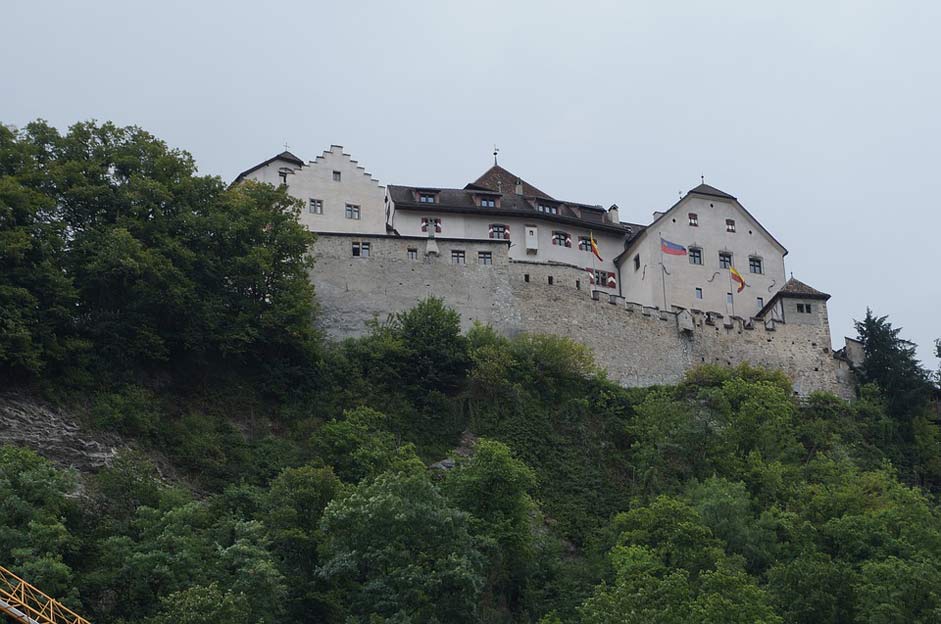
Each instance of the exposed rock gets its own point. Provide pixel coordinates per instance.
(54, 434)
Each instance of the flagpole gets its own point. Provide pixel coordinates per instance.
(731, 293)
(591, 248)
(663, 273)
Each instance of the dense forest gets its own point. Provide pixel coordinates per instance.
(417, 474)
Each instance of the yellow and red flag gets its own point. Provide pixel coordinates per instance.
(736, 276)
(594, 246)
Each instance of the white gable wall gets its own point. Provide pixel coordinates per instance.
(682, 278)
(315, 181)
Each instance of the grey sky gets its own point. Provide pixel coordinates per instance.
(823, 118)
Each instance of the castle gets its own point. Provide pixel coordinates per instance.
(704, 282)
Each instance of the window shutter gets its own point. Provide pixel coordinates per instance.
(507, 230)
(424, 224)
(491, 230)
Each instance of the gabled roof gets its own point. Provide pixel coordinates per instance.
(710, 191)
(285, 156)
(705, 189)
(499, 179)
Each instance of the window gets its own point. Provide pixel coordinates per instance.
(578, 284)
(360, 250)
(316, 206)
(754, 265)
(499, 231)
(426, 198)
(425, 221)
(694, 219)
(803, 308)
(457, 256)
(730, 225)
(761, 302)
(699, 293)
(725, 259)
(526, 278)
(484, 257)
(584, 243)
(352, 212)
(695, 255)
(728, 297)
(488, 202)
(637, 262)
(412, 253)
(562, 239)
(550, 280)
(336, 176)
(548, 209)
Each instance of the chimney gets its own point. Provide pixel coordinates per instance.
(519, 186)
(614, 215)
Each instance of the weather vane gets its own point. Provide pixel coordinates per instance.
(495, 151)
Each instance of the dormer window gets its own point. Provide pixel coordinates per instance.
(730, 225)
(488, 202)
(548, 208)
(427, 198)
(694, 219)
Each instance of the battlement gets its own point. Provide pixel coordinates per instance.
(638, 345)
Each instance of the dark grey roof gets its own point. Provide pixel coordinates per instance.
(798, 289)
(507, 182)
(705, 189)
(284, 156)
(511, 204)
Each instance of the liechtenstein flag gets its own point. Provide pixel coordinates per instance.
(672, 248)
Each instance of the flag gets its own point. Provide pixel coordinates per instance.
(672, 248)
(736, 276)
(594, 246)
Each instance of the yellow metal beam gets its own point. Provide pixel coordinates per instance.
(27, 605)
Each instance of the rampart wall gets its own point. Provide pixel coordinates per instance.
(638, 346)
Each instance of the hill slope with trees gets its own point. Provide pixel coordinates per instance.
(174, 311)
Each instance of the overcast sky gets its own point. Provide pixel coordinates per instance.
(823, 118)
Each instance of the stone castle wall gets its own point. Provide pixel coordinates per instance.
(639, 346)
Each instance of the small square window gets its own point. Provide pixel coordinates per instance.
(761, 302)
(550, 280)
(352, 212)
(754, 265)
(316, 206)
(426, 198)
(457, 256)
(584, 243)
(526, 277)
(800, 308)
(637, 262)
(412, 253)
(730, 225)
(358, 249)
(484, 257)
(336, 176)
(488, 202)
(725, 260)
(693, 219)
(578, 284)
(695, 255)
(699, 293)
(365, 250)
(498, 231)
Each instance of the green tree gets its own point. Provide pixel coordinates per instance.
(395, 549)
(494, 487)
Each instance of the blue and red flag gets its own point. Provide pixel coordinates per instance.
(672, 248)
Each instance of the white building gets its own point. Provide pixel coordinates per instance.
(709, 237)
(339, 195)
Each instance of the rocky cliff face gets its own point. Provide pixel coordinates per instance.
(54, 434)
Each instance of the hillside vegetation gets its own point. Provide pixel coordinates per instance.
(165, 307)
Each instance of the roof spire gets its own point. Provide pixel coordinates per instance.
(702, 178)
(286, 146)
(495, 150)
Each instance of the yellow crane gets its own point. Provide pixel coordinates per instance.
(27, 605)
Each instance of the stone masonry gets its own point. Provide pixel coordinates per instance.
(637, 345)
